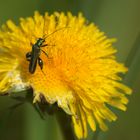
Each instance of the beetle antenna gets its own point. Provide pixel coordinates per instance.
(55, 31)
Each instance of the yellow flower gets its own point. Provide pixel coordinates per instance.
(80, 72)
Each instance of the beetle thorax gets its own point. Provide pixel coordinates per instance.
(39, 42)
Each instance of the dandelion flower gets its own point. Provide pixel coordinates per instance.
(80, 72)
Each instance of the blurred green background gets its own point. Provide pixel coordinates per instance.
(117, 18)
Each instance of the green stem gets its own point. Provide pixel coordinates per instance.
(96, 135)
(65, 125)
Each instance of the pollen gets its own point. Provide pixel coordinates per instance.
(80, 73)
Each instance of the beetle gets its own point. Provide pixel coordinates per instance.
(34, 56)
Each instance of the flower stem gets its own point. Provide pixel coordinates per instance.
(65, 125)
(96, 135)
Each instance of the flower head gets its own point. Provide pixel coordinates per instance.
(80, 72)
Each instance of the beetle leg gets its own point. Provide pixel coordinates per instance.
(44, 52)
(40, 63)
(28, 56)
(44, 45)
